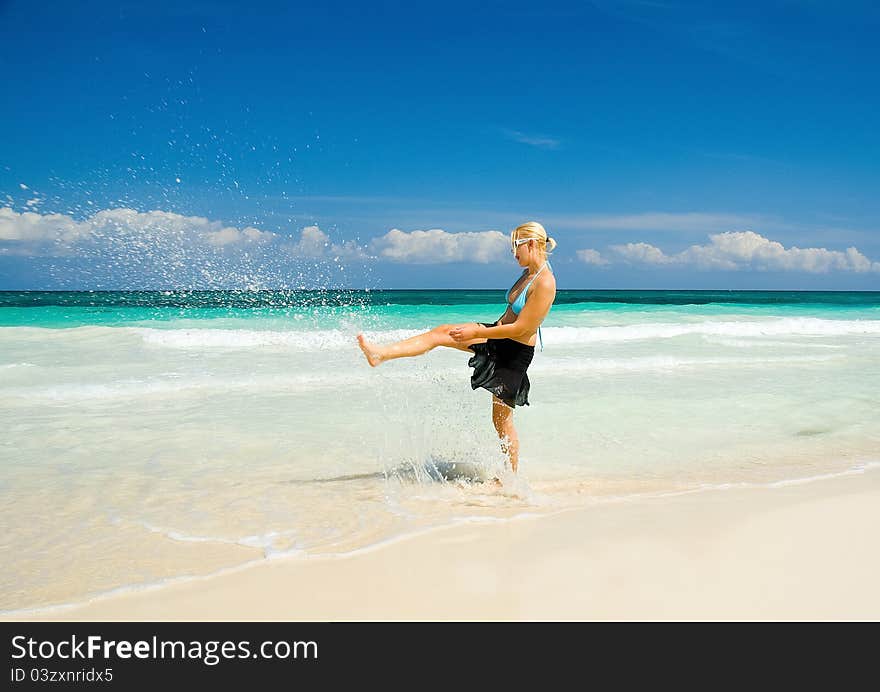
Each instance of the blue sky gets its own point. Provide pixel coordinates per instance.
(394, 145)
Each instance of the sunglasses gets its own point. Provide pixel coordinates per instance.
(514, 244)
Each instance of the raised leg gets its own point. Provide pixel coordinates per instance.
(502, 418)
(413, 346)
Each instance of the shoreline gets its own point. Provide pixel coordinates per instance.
(808, 550)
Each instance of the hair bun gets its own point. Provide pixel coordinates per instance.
(551, 244)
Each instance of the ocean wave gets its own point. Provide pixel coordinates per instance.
(213, 339)
(788, 326)
(263, 542)
(661, 363)
(246, 339)
(339, 339)
(437, 374)
(132, 388)
(863, 467)
(754, 342)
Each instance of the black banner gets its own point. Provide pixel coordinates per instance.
(145, 655)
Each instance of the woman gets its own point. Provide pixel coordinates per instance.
(501, 350)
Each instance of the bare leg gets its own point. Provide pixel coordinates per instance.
(502, 418)
(414, 346)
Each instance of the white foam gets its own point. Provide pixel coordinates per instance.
(664, 363)
(134, 388)
(264, 542)
(340, 339)
(175, 385)
(855, 470)
(765, 343)
(788, 326)
(245, 339)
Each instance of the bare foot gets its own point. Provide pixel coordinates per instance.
(373, 356)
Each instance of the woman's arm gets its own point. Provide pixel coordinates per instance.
(534, 312)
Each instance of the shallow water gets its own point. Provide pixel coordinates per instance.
(149, 436)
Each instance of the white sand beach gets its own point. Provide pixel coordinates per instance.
(805, 551)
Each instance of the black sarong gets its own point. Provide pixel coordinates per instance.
(500, 366)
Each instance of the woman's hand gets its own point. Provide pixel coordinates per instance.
(463, 332)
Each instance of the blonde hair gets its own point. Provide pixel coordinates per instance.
(534, 230)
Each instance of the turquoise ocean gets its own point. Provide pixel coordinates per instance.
(161, 435)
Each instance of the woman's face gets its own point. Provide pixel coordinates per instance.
(522, 250)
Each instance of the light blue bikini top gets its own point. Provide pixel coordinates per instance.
(520, 301)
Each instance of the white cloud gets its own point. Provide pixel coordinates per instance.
(138, 239)
(315, 243)
(139, 246)
(164, 248)
(126, 230)
(233, 236)
(592, 257)
(641, 253)
(163, 227)
(30, 233)
(746, 249)
(540, 141)
(439, 247)
(54, 235)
